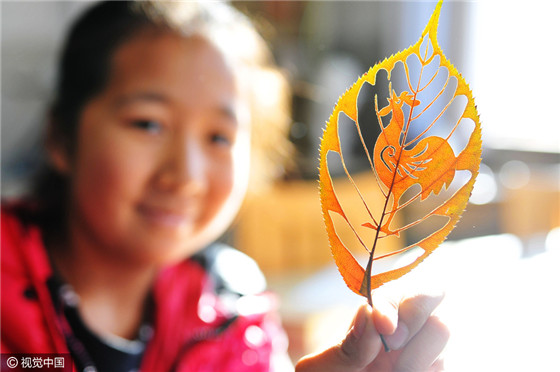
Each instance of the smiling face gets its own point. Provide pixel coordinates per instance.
(160, 166)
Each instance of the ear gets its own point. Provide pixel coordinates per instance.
(57, 149)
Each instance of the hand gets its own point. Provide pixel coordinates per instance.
(415, 336)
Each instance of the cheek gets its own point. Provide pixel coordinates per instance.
(231, 181)
(106, 178)
(222, 185)
(243, 160)
(241, 169)
(228, 182)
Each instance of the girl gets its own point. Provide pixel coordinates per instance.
(149, 144)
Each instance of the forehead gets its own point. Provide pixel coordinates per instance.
(183, 67)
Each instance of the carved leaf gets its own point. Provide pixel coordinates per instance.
(429, 133)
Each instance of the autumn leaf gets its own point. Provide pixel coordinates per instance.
(427, 153)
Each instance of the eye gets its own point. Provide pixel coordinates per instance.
(151, 126)
(220, 139)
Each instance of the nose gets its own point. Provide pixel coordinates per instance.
(183, 167)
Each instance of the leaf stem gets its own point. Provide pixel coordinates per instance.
(368, 280)
(385, 346)
(370, 260)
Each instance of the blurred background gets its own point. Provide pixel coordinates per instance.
(499, 267)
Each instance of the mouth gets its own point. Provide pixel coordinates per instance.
(165, 217)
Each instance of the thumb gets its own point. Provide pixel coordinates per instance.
(359, 348)
(362, 343)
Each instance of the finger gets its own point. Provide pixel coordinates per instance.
(360, 347)
(438, 366)
(422, 352)
(385, 313)
(413, 313)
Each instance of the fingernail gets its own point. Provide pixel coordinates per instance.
(397, 339)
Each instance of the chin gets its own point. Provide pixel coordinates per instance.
(159, 251)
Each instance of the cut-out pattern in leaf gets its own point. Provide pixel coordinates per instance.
(429, 134)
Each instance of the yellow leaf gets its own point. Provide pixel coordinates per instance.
(414, 159)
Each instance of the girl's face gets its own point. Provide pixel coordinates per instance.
(160, 167)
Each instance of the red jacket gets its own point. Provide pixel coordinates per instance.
(30, 324)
